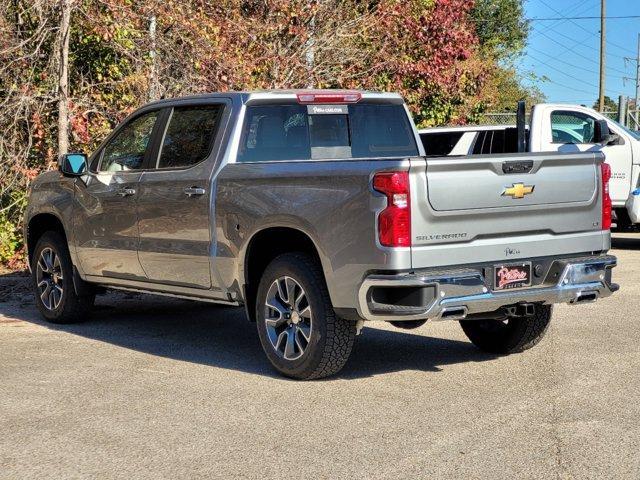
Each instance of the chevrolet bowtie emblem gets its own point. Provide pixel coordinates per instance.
(518, 190)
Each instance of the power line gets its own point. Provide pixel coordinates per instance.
(575, 44)
(572, 88)
(584, 29)
(573, 77)
(549, 19)
(570, 76)
(571, 10)
(564, 62)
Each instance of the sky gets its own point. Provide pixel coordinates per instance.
(566, 51)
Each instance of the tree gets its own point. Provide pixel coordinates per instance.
(63, 77)
(71, 69)
(502, 32)
(501, 27)
(610, 105)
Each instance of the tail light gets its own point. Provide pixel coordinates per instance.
(394, 222)
(605, 170)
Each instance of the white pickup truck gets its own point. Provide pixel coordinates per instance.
(556, 128)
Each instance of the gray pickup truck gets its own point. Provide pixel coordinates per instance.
(317, 211)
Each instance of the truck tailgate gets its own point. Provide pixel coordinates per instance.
(508, 206)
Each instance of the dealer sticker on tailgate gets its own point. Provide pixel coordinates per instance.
(514, 275)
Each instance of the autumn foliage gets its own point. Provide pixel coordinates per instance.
(428, 50)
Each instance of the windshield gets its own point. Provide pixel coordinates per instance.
(314, 132)
(634, 133)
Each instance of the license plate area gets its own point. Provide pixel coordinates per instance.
(511, 275)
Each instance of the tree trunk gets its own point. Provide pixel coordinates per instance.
(63, 78)
(153, 72)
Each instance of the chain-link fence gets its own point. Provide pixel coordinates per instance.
(505, 118)
(509, 118)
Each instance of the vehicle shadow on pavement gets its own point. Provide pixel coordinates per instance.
(626, 243)
(222, 337)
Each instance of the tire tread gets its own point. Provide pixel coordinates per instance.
(340, 333)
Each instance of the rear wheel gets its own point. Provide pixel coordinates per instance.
(52, 277)
(298, 328)
(512, 335)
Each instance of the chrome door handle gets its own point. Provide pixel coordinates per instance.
(126, 192)
(194, 191)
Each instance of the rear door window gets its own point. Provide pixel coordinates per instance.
(189, 136)
(304, 132)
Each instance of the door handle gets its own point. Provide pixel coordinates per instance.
(126, 192)
(194, 191)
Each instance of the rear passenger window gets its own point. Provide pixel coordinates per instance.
(275, 133)
(189, 136)
(301, 132)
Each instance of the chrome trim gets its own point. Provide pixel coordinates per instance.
(109, 283)
(464, 290)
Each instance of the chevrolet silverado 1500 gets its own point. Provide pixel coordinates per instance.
(318, 211)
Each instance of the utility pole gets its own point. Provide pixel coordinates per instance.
(623, 104)
(636, 109)
(637, 125)
(603, 37)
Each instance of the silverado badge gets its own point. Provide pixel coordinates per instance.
(518, 190)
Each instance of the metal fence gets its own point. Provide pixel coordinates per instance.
(506, 118)
(509, 118)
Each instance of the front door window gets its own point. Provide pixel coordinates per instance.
(126, 150)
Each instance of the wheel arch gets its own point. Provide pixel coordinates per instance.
(264, 246)
(36, 227)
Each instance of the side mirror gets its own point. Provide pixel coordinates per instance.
(602, 134)
(73, 164)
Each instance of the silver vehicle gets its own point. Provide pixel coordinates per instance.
(318, 211)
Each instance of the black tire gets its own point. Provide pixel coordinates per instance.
(331, 338)
(72, 308)
(514, 335)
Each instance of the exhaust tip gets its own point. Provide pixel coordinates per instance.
(454, 313)
(586, 297)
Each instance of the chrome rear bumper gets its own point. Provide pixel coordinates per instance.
(454, 294)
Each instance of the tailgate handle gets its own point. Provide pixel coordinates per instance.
(524, 166)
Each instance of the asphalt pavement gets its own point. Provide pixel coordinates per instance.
(160, 388)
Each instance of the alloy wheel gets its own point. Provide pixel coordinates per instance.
(288, 318)
(49, 279)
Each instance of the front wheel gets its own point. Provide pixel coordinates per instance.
(511, 335)
(52, 277)
(298, 328)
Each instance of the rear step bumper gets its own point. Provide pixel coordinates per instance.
(456, 294)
